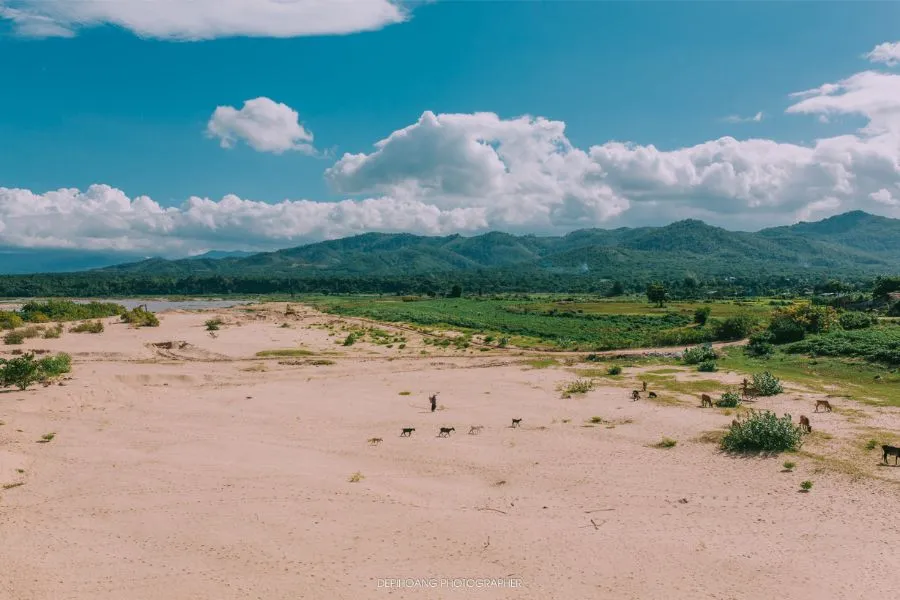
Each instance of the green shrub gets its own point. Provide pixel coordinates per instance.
(666, 443)
(88, 327)
(792, 323)
(788, 465)
(729, 400)
(698, 354)
(614, 370)
(856, 320)
(871, 444)
(806, 485)
(350, 339)
(10, 320)
(14, 337)
(213, 324)
(140, 317)
(735, 328)
(701, 315)
(54, 366)
(708, 366)
(54, 332)
(66, 310)
(760, 345)
(767, 384)
(875, 344)
(763, 432)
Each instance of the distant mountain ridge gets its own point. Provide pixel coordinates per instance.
(851, 243)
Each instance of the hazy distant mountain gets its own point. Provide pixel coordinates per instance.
(852, 243)
(17, 261)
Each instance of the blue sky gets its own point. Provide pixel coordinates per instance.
(106, 106)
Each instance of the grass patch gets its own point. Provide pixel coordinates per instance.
(405, 393)
(595, 420)
(285, 352)
(356, 477)
(9, 486)
(48, 437)
(579, 386)
(666, 443)
(865, 382)
(88, 327)
(541, 363)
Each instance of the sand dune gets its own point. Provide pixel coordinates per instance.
(204, 471)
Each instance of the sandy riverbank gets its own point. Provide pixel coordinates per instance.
(198, 470)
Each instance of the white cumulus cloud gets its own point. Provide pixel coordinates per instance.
(203, 19)
(887, 53)
(265, 126)
(471, 173)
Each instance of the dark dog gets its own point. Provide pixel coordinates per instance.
(889, 450)
(635, 395)
(516, 422)
(651, 395)
(407, 431)
(445, 431)
(705, 401)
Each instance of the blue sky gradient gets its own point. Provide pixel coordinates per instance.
(109, 107)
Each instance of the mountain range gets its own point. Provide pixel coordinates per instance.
(854, 243)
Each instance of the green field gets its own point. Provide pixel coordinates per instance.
(546, 323)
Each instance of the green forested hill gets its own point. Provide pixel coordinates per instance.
(850, 244)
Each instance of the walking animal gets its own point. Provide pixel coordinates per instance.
(445, 431)
(407, 431)
(433, 400)
(475, 429)
(804, 424)
(705, 401)
(824, 404)
(516, 422)
(889, 450)
(375, 441)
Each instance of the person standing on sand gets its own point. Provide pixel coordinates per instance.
(433, 400)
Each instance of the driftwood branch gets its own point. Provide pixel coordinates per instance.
(493, 509)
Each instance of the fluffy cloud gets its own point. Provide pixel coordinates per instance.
(887, 53)
(265, 125)
(472, 173)
(104, 218)
(202, 19)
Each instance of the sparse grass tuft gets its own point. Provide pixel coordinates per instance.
(579, 386)
(614, 370)
(788, 465)
(356, 477)
(87, 327)
(214, 324)
(284, 352)
(404, 393)
(666, 443)
(806, 485)
(596, 420)
(541, 363)
(871, 444)
(48, 437)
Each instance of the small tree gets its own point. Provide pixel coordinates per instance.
(701, 315)
(657, 293)
(456, 291)
(20, 372)
(617, 289)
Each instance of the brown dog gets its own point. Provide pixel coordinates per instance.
(804, 424)
(705, 401)
(823, 403)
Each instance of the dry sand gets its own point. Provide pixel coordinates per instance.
(201, 472)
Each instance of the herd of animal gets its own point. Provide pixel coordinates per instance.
(747, 391)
